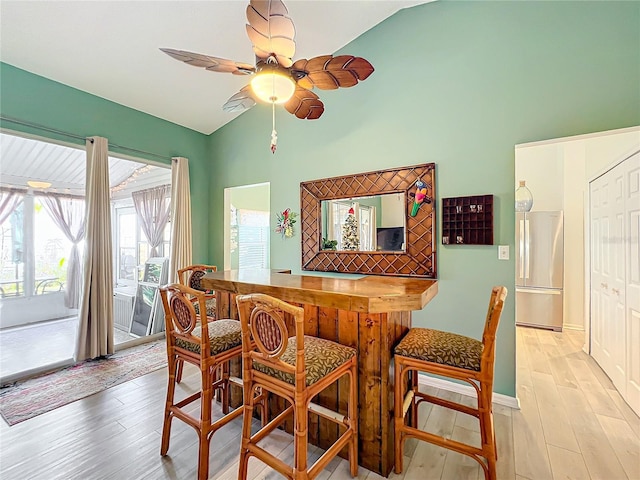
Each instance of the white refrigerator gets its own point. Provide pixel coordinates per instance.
(539, 269)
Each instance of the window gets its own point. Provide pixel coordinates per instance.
(365, 222)
(12, 254)
(34, 251)
(51, 251)
(132, 247)
(247, 234)
(253, 236)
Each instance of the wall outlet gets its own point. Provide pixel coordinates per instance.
(503, 252)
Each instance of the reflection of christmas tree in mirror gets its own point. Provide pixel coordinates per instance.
(350, 240)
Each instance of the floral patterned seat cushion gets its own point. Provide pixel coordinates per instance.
(211, 307)
(321, 357)
(223, 335)
(440, 347)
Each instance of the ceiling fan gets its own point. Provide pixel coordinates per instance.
(277, 78)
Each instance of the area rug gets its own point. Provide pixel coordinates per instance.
(27, 399)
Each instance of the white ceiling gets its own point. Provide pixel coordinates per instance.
(111, 48)
(23, 159)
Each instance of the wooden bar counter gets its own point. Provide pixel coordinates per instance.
(370, 314)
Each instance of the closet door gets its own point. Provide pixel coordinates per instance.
(632, 217)
(614, 203)
(616, 251)
(599, 204)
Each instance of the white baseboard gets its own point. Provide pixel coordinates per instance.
(573, 326)
(500, 399)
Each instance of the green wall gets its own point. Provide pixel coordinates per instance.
(35, 99)
(458, 84)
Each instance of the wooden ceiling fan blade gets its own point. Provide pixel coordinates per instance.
(265, 8)
(270, 29)
(279, 25)
(214, 64)
(281, 46)
(241, 101)
(327, 72)
(305, 104)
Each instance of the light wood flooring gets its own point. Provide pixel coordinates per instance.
(572, 425)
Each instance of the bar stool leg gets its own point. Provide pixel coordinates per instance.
(205, 418)
(399, 417)
(413, 385)
(353, 417)
(247, 415)
(300, 437)
(486, 427)
(166, 426)
(179, 371)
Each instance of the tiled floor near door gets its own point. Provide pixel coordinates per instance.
(43, 346)
(30, 348)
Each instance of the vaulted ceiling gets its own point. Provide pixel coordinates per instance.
(111, 48)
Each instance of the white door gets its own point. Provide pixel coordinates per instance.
(614, 202)
(616, 281)
(600, 272)
(632, 216)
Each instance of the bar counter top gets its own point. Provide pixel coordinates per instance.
(368, 294)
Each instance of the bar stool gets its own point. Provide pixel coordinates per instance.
(454, 356)
(296, 369)
(208, 345)
(191, 277)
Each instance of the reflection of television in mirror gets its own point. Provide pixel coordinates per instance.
(147, 317)
(390, 238)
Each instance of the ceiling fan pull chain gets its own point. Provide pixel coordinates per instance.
(274, 134)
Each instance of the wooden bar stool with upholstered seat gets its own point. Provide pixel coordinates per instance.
(191, 277)
(296, 369)
(208, 345)
(454, 356)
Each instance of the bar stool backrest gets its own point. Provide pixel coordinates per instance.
(496, 303)
(180, 315)
(263, 320)
(191, 276)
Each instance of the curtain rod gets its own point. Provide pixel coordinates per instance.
(77, 137)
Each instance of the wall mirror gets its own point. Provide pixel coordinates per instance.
(362, 223)
(378, 223)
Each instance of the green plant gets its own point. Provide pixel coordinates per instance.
(329, 244)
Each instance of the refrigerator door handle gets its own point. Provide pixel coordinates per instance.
(521, 262)
(539, 291)
(527, 247)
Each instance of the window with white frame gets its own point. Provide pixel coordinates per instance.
(253, 236)
(34, 251)
(132, 248)
(365, 221)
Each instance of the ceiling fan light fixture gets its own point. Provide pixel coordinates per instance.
(37, 184)
(273, 87)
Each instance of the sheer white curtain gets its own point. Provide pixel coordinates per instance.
(69, 216)
(180, 255)
(152, 207)
(9, 200)
(95, 330)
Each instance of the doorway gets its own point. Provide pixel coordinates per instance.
(42, 213)
(247, 226)
(558, 172)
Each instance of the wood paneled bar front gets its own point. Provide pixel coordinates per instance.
(370, 314)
